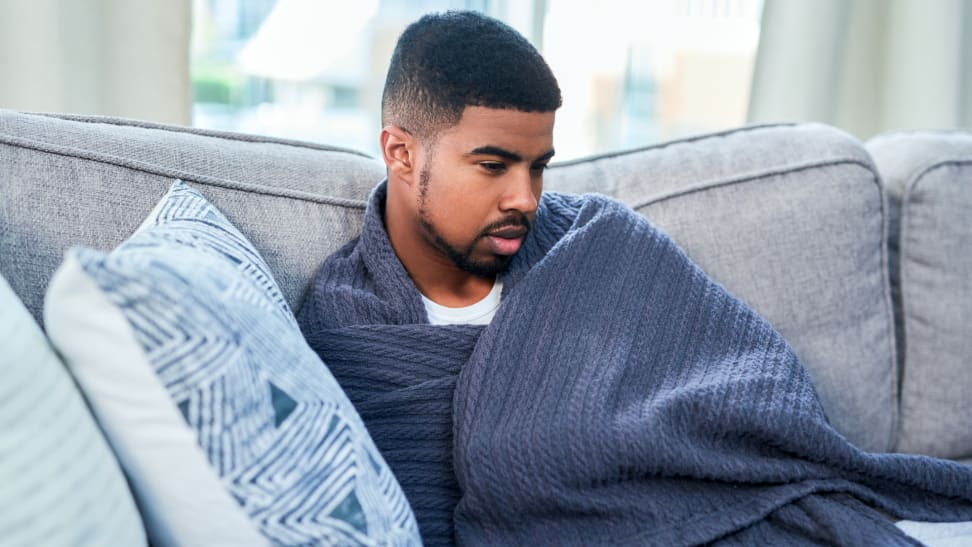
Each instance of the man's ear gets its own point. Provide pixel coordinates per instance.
(398, 149)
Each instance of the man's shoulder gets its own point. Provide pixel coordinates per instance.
(577, 201)
(575, 209)
(341, 270)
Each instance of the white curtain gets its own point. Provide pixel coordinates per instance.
(866, 66)
(125, 58)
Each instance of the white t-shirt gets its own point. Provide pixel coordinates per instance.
(480, 313)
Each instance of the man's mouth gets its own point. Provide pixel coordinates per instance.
(506, 241)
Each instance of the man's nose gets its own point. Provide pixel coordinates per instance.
(521, 192)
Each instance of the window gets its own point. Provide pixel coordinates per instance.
(632, 72)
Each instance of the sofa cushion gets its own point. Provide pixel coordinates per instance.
(791, 219)
(74, 180)
(298, 203)
(60, 482)
(188, 298)
(929, 179)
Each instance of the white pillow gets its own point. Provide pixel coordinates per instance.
(230, 428)
(59, 481)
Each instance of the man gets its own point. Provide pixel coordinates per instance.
(544, 368)
(464, 178)
(467, 115)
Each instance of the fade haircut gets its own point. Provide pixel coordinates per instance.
(447, 61)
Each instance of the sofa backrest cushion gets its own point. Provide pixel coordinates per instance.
(929, 180)
(89, 181)
(791, 219)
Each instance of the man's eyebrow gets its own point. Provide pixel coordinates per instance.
(546, 156)
(506, 154)
(495, 151)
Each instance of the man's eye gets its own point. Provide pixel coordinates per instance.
(492, 166)
(539, 167)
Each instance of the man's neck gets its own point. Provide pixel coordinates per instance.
(457, 292)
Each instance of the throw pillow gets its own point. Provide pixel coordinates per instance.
(218, 409)
(59, 481)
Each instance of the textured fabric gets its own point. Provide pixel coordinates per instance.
(233, 158)
(100, 177)
(929, 179)
(813, 521)
(789, 218)
(60, 482)
(270, 419)
(619, 396)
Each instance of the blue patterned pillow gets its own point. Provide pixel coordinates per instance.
(202, 307)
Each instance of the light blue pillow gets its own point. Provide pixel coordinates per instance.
(59, 481)
(189, 298)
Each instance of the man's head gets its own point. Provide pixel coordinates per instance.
(446, 62)
(468, 112)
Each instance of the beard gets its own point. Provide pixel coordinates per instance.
(462, 256)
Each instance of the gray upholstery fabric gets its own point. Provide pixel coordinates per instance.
(791, 219)
(929, 179)
(91, 181)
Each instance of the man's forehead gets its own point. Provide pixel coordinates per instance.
(491, 115)
(496, 131)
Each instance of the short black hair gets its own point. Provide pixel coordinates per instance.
(445, 62)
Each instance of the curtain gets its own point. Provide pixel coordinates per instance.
(126, 58)
(866, 66)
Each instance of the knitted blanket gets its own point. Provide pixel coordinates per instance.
(619, 396)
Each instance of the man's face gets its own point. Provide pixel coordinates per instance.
(480, 184)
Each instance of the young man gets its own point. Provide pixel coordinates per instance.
(544, 368)
(468, 116)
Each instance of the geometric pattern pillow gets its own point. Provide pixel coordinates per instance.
(208, 319)
(59, 481)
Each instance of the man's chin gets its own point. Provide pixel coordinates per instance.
(478, 259)
(487, 267)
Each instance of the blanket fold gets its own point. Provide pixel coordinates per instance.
(619, 396)
(401, 379)
(366, 320)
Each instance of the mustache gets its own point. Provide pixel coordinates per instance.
(515, 220)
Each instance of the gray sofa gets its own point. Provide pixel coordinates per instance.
(857, 254)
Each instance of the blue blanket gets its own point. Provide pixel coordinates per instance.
(619, 396)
